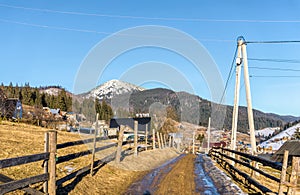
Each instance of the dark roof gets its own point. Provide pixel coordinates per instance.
(116, 122)
(293, 146)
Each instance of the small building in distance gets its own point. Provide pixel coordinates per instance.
(142, 123)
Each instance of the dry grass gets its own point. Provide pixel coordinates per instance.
(17, 139)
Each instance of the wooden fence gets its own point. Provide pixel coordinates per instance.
(229, 158)
(50, 161)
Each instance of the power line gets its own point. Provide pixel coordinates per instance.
(275, 60)
(273, 42)
(276, 69)
(229, 75)
(274, 76)
(53, 27)
(148, 18)
(106, 33)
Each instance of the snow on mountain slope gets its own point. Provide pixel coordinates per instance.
(266, 131)
(111, 88)
(278, 140)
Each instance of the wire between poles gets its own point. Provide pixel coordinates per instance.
(272, 42)
(229, 75)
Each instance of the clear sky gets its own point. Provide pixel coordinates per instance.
(45, 42)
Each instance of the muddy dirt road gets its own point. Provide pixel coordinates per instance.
(175, 177)
(180, 180)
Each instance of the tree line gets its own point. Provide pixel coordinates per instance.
(31, 96)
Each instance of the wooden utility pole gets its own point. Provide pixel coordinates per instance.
(208, 135)
(248, 98)
(135, 137)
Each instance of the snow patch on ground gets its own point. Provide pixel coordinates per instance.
(278, 140)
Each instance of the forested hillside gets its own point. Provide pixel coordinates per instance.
(32, 96)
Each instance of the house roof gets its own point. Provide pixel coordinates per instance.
(293, 146)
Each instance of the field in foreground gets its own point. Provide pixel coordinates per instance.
(21, 139)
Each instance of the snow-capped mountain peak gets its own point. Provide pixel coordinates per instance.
(112, 88)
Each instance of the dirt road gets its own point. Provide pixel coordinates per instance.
(180, 180)
(175, 177)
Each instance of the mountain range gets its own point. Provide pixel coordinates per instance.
(188, 107)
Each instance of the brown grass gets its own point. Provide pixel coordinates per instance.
(17, 139)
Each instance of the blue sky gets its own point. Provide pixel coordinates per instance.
(45, 42)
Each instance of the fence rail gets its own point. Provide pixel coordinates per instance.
(9, 162)
(50, 162)
(14, 185)
(227, 161)
(81, 142)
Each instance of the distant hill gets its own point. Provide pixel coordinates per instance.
(121, 95)
(188, 107)
(197, 110)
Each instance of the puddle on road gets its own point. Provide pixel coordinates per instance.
(204, 184)
(148, 184)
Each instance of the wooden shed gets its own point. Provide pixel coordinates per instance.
(293, 146)
(142, 122)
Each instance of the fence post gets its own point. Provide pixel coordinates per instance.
(170, 141)
(94, 145)
(52, 162)
(153, 139)
(165, 141)
(120, 141)
(46, 149)
(158, 139)
(146, 137)
(283, 172)
(161, 141)
(173, 141)
(135, 137)
(294, 176)
(194, 143)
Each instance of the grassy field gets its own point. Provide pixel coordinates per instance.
(17, 139)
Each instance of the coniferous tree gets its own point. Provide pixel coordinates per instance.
(296, 135)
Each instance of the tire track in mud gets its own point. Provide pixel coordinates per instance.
(174, 177)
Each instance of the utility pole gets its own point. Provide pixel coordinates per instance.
(242, 58)
(208, 135)
(236, 96)
(249, 101)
